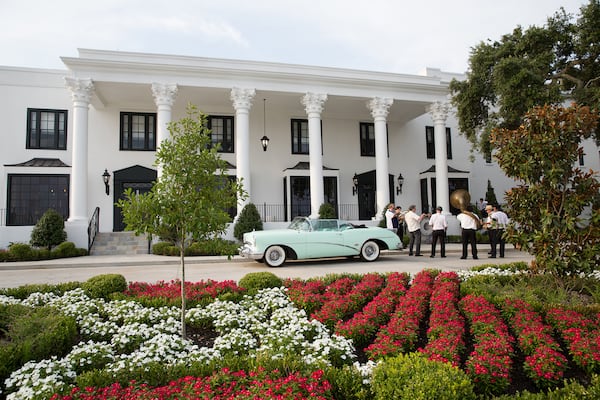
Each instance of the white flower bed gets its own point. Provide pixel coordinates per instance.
(119, 335)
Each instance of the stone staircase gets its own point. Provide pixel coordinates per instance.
(119, 243)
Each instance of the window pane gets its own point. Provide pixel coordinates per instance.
(47, 130)
(138, 132)
(30, 196)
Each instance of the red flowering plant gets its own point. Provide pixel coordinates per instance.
(342, 301)
(490, 362)
(544, 363)
(202, 292)
(446, 325)
(581, 335)
(363, 326)
(402, 331)
(222, 385)
(307, 295)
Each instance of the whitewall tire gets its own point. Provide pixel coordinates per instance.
(369, 251)
(274, 256)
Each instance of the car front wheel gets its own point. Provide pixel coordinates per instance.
(275, 256)
(369, 251)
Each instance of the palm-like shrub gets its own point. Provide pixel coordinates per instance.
(49, 230)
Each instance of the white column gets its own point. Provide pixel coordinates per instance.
(76, 226)
(380, 108)
(242, 102)
(439, 113)
(164, 97)
(313, 103)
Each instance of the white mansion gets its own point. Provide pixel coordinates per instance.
(335, 135)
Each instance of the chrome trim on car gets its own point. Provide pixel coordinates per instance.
(247, 252)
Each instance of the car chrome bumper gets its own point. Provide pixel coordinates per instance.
(248, 252)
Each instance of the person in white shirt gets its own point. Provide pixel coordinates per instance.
(413, 224)
(390, 213)
(499, 221)
(439, 225)
(469, 223)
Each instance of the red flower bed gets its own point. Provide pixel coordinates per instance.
(194, 291)
(223, 385)
(446, 324)
(402, 331)
(581, 334)
(544, 363)
(490, 362)
(363, 326)
(345, 297)
(308, 295)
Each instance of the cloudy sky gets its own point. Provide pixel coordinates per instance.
(379, 35)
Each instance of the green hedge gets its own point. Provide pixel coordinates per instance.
(24, 252)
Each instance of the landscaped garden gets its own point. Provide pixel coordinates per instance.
(488, 333)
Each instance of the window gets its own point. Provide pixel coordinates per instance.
(30, 196)
(46, 129)
(221, 132)
(138, 131)
(430, 142)
(299, 136)
(581, 160)
(367, 139)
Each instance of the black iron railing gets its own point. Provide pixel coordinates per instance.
(93, 228)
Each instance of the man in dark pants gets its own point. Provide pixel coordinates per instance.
(499, 220)
(439, 225)
(469, 223)
(413, 223)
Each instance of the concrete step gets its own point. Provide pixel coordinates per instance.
(119, 243)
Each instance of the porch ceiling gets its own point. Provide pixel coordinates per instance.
(138, 97)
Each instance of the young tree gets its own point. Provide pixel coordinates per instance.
(547, 207)
(191, 195)
(536, 66)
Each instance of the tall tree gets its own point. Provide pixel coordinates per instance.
(190, 198)
(535, 66)
(556, 208)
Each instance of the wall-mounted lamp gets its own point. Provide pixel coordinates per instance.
(355, 184)
(106, 179)
(264, 140)
(400, 183)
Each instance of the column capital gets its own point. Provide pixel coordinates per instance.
(81, 89)
(438, 111)
(313, 102)
(242, 98)
(379, 107)
(164, 93)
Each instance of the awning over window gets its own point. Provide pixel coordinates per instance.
(40, 162)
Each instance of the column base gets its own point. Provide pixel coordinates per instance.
(77, 232)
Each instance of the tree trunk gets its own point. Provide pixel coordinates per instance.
(182, 258)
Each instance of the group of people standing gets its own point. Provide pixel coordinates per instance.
(494, 223)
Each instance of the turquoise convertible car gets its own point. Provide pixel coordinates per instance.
(317, 238)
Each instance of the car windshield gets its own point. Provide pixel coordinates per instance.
(300, 224)
(305, 224)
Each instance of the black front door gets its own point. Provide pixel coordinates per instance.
(139, 179)
(367, 194)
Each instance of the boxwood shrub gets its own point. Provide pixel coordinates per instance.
(102, 286)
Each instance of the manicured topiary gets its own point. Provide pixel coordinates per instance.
(255, 281)
(104, 285)
(249, 220)
(49, 230)
(413, 376)
(326, 211)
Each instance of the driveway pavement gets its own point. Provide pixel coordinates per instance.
(151, 268)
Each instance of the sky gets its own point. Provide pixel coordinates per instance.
(395, 36)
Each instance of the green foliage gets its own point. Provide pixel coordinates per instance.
(49, 230)
(209, 247)
(572, 390)
(67, 249)
(33, 334)
(525, 68)
(413, 376)
(254, 281)
(24, 252)
(21, 252)
(548, 205)
(22, 292)
(347, 383)
(326, 211)
(102, 286)
(248, 221)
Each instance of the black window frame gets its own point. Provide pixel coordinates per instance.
(36, 203)
(59, 141)
(297, 134)
(367, 145)
(227, 145)
(430, 142)
(149, 142)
